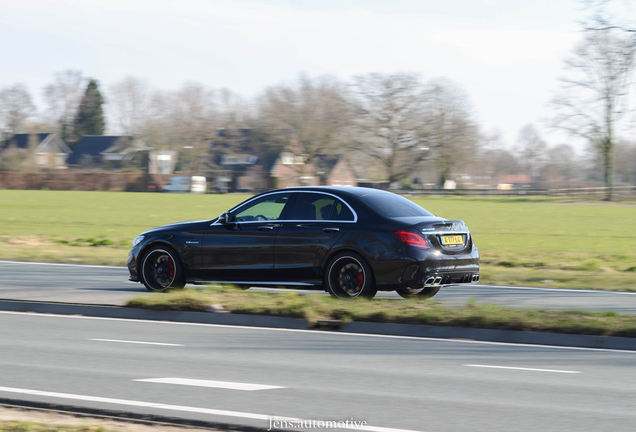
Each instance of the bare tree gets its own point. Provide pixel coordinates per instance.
(312, 112)
(185, 121)
(192, 123)
(233, 122)
(609, 15)
(593, 98)
(532, 149)
(626, 162)
(14, 158)
(63, 98)
(561, 165)
(16, 107)
(492, 160)
(453, 135)
(391, 123)
(128, 102)
(158, 128)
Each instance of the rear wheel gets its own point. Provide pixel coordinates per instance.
(349, 276)
(161, 270)
(420, 293)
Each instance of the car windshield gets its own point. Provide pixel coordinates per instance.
(391, 205)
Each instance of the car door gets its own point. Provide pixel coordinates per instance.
(242, 249)
(310, 229)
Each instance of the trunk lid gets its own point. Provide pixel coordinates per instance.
(448, 236)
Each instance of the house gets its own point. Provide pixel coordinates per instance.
(245, 173)
(87, 153)
(48, 151)
(290, 168)
(130, 153)
(514, 181)
(334, 170)
(112, 152)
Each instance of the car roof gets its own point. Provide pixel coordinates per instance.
(336, 190)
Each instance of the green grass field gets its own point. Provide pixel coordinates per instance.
(522, 242)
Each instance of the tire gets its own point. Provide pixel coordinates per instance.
(419, 293)
(161, 270)
(348, 276)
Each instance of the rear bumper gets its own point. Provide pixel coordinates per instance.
(433, 269)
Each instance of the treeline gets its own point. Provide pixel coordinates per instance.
(394, 127)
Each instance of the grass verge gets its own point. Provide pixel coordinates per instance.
(315, 308)
(14, 419)
(10, 426)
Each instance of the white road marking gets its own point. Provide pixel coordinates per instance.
(160, 406)
(316, 333)
(63, 264)
(523, 369)
(211, 384)
(566, 290)
(136, 342)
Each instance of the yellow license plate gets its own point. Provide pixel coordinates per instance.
(453, 240)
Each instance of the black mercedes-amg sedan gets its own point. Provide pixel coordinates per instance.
(350, 241)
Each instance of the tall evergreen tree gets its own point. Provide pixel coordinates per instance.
(90, 116)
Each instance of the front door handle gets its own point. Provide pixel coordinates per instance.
(265, 228)
(331, 229)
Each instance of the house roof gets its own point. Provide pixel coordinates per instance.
(22, 140)
(45, 143)
(93, 145)
(515, 179)
(269, 160)
(325, 162)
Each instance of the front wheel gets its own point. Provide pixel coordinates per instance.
(161, 270)
(349, 276)
(420, 293)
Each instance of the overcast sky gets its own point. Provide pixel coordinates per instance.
(506, 54)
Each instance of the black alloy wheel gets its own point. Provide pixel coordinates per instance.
(419, 293)
(161, 270)
(349, 276)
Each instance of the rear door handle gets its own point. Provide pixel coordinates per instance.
(265, 228)
(331, 229)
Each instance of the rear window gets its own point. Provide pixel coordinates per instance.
(341, 213)
(391, 205)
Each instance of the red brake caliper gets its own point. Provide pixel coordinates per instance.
(171, 267)
(360, 278)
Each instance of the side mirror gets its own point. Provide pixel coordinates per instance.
(225, 218)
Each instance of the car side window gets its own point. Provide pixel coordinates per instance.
(341, 212)
(269, 207)
(312, 207)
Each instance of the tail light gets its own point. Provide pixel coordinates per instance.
(413, 240)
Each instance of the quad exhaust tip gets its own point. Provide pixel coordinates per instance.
(437, 280)
(432, 281)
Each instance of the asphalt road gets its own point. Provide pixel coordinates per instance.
(110, 286)
(244, 375)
